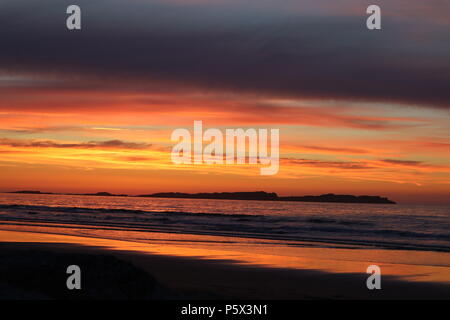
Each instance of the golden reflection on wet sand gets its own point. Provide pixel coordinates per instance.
(407, 265)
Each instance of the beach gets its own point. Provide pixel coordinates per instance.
(183, 249)
(191, 274)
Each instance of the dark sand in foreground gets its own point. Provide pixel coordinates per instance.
(38, 271)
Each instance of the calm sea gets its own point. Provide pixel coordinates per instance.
(418, 227)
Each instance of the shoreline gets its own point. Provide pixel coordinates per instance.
(331, 242)
(193, 276)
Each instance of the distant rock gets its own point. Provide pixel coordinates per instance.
(30, 192)
(256, 195)
(105, 194)
(342, 198)
(261, 195)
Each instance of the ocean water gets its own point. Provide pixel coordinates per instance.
(401, 226)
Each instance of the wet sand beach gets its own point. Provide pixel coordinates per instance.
(115, 269)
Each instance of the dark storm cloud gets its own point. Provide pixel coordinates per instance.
(231, 48)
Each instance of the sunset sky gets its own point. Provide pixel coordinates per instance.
(359, 111)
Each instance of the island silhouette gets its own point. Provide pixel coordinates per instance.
(256, 195)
